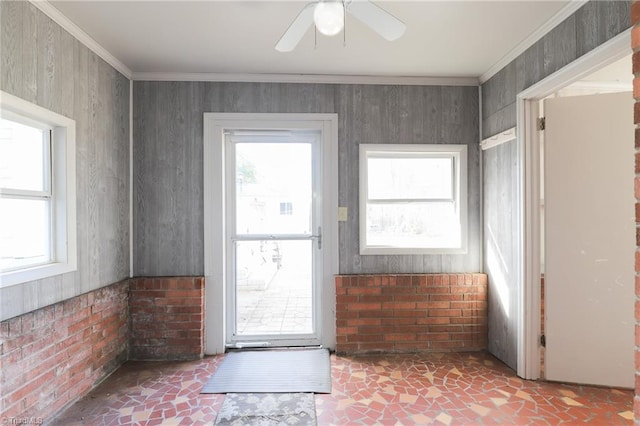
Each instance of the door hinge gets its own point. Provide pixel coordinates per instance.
(543, 341)
(542, 123)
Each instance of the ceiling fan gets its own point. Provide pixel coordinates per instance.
(329, 16)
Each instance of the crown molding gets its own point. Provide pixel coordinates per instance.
(555, 20)
(307, 78)
(60, 19)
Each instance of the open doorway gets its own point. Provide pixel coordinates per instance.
(273, 237)
(587, 228)
(270, 229)
(565, 242)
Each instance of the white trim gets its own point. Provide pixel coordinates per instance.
(63, 155)
(528, 304)
(610, 86)
(456, 152)
(555, 20)
(526, 104)
(608, 52)
(307, 78)
(499, 139)
(59, 18)
(214, 226)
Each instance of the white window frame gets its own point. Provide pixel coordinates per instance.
(62, 189)
(459, 155)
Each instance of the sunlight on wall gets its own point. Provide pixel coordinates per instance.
(498, 271)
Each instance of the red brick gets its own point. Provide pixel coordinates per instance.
(445, 313)
(404, 321)
(410, 298)
(179, 294)
(406, 302)
(373, 299)
(365, 306)
(398, 290)
(364, 291)
(403, 337)
(446, 297)
(399, 305)
(433, 320)
(635, 13)
(363, 321)
(366, 329)
(409, 313)
(356, 338)
(434, 305)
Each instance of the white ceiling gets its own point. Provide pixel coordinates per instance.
(443, 38)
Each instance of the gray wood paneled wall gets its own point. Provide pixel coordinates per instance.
(501, 246)
(168, 167)
(590, 26)
(42, 63)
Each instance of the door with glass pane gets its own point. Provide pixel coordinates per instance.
(274, 238)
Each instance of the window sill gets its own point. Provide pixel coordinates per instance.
(21, 276)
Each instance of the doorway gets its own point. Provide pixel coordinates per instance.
(270, 225)
(588, 239)
(274, 237)
(535, 246)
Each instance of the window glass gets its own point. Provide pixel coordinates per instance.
(419, 177)
(417, 225)
(413, 199)
(37, 195)
(23, 156)
(24, 232)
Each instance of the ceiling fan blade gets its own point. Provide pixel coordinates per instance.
(297, 29)
(380, 21)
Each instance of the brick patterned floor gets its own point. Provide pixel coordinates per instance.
(443, 389)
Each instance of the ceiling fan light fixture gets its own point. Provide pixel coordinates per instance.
(329, 17)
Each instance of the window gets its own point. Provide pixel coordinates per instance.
(286, 209)
(413, 199)
(37, 192)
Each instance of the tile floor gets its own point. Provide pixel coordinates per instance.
(443, 389)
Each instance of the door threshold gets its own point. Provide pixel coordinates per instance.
(249, 347)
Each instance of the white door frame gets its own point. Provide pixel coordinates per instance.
(214, 214)
(529, 148)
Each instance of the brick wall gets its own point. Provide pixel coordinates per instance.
(52, 356)
(635, 44)
(167, 318)
(408, 313)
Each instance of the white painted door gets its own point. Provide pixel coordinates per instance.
(274, 237)
(589, 240)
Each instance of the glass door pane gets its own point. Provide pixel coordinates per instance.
(272, 244)
(274, 287)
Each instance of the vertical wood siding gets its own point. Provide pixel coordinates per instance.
(501, 247)
(168, 167)
(590, 26)
(43, 64)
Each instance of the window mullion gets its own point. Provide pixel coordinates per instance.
(48, 162)
(409, 200)
(24, 194)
